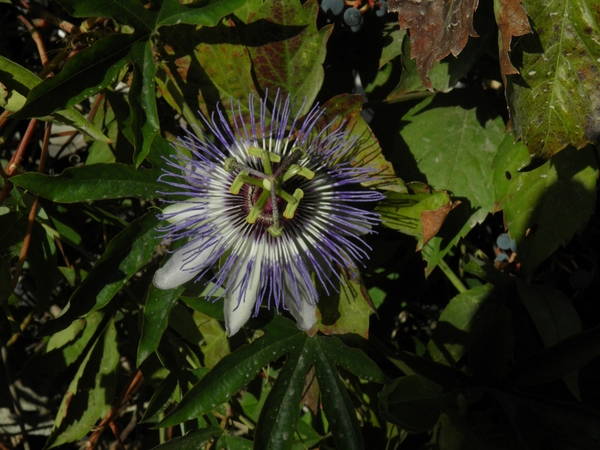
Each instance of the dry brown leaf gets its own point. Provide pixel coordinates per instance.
(437, 28)
(432, 221)
(512, 21)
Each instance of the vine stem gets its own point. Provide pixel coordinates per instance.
(460, 287)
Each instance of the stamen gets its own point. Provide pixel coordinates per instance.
(290, 209)
(238, 182)
(258, 207)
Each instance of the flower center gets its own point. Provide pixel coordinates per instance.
(270, 196)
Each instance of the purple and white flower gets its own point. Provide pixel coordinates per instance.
(269, 207)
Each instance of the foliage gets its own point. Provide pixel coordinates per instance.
(480, 121)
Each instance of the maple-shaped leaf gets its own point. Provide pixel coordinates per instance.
(437, 28)
(512, 21)
(281, 411)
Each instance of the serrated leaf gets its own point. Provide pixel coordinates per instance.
(392, 47)
(200, 13)
(555, 362)
(95, 182)
(554, 317)
(555, 101)
(89, 395)
(453, 139)
(292, 57)
(459, 321)
(123, 11)
(412, 402)
(84, 75)
(216, 344)
(512, 21)
(544, 207)
(156, 319)
(126, 254)
(445, 30)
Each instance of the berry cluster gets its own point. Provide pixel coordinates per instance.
(353, 15)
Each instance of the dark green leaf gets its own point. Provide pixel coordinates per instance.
(156, 318)
(459, 321)
(142, 100)
(126, 254)
(128, 12)
(191, 441)
(336, 403)
(281, 411)
(413, 403)
(199, 13)
(235, 371)
(95, 182)
(555, 362)
(88, 72)
(42, 261)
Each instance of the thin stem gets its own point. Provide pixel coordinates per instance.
(460, 287)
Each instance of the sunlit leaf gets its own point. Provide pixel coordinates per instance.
(555, 101)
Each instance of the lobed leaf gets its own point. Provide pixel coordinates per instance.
(207, 13)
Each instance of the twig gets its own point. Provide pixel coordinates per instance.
(460, 287)
(37, 38)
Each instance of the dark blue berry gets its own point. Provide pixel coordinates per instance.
(503, 241)
(335, 6)
(382, 10)
(353, 17)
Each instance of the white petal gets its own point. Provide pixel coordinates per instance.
(239, 302)
(182, 211)
(303, 309)
(174, 272)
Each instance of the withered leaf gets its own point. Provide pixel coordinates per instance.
(432, 221)
(512, 21)
(437, 28)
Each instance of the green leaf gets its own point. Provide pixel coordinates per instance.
(19, 82)
(142, 100)
(95, 182)
(235, 371)
(416, 214)
(554, 317)
(216, 344)
(42, 261)
(545, 206)
(453, 139)
(345, 110)
(91, 392)
(555, 101)
(199, 13)
(458, 324)
(555, 362)
(444, 75)
(128, 12)
(392, 47)
(412, 402)
(292, 57)
(345, 312)
(281, 411)
(84, 75)
(156, 319)
(192, 441)
(336, 403)
(125, 255)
